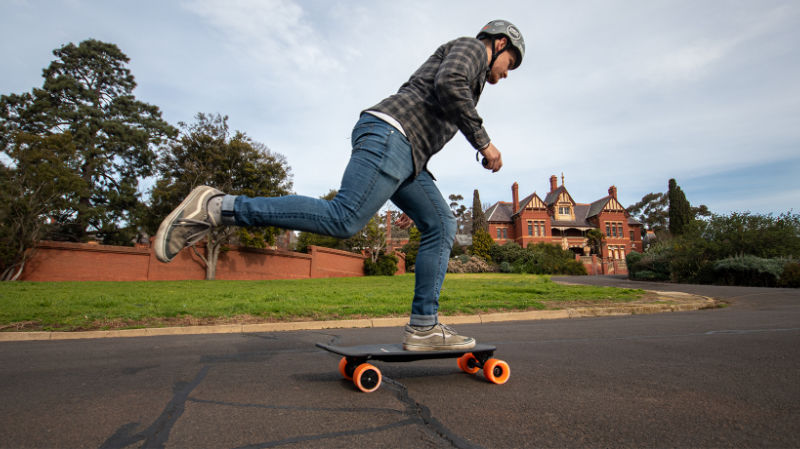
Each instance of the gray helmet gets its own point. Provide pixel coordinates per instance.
(499, 28)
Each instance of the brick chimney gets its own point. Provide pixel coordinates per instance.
(553, 183)
(612, 191)
(515, 196)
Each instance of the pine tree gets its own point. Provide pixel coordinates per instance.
(478, 218)
(88, 93)
(680, 211)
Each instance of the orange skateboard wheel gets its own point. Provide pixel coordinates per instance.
(464, 363)
(496, 371)
(367, 378)
(343, 369)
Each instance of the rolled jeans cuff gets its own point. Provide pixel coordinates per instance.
(228, 216)
(423, 320)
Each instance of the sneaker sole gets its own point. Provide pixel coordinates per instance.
(451, 347)
(160, 242)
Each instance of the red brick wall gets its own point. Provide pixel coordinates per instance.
(57, 261)
(60, 261)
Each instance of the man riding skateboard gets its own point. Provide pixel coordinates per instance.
(392, 143)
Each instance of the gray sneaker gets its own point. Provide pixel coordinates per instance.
(186, 225)
(439, 338)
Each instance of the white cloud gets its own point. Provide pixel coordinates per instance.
(613, 92)
(273, 32)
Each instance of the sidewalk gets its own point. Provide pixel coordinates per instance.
(654, 302)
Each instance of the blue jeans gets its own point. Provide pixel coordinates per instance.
(380, 169)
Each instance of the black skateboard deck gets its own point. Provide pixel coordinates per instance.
(367, 378)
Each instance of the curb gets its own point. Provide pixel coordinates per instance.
(695, 302)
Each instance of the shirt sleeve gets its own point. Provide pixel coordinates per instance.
(461, 68)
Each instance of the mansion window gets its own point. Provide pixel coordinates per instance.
(502, 233)
(616, 252)
(614, 229)
(536, 228)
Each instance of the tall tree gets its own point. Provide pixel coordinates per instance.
(371, 238)
(39, 186)
(680, 212)
(478, 218)
(88, 92)
(651, 211)
(594, 239)
(462, 214)
(208, 154)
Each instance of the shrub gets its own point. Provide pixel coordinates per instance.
(510, 252)
(748, 270)
(481, 244)
(574, 268)
(468, 264)
(410, 249)
(385, 266)
(647, 275)
(541, 258)
(791, 275)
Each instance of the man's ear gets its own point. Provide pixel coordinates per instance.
(500, 44)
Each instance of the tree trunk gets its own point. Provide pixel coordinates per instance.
(212, 252)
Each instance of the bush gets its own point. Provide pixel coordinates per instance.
(385, 266)
(410, 249)
(633, 258)
(481, 244)
(653, 265)
(510, 252)
(468, 264)
(573, 268)
(791, 275)
(748, 270)
(647, 275)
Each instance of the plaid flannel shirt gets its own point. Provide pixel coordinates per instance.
(440, 98)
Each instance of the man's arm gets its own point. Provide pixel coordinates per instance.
(465, 62)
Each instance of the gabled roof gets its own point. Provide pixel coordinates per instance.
(533, 197)
(597, 207)
(580, 221)
(524, 202)
(552, 197)
(500, 211)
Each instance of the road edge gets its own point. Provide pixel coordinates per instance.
(669, 302)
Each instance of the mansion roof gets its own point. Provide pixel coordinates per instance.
(502, 211)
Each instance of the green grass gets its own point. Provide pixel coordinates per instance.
(70, 306)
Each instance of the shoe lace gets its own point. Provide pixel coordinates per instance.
(197, 236)
(448, 329)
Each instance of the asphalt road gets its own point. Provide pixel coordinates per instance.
(727, 377)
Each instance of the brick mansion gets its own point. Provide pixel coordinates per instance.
(559, 219)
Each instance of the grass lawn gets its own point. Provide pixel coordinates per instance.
(71, 306)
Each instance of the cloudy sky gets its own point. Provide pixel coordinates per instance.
(629, 93)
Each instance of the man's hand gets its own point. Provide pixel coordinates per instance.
(403, 222)
(494, 160)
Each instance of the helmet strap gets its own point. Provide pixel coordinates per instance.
(497, 53)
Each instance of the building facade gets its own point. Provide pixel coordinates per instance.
(559, 219)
